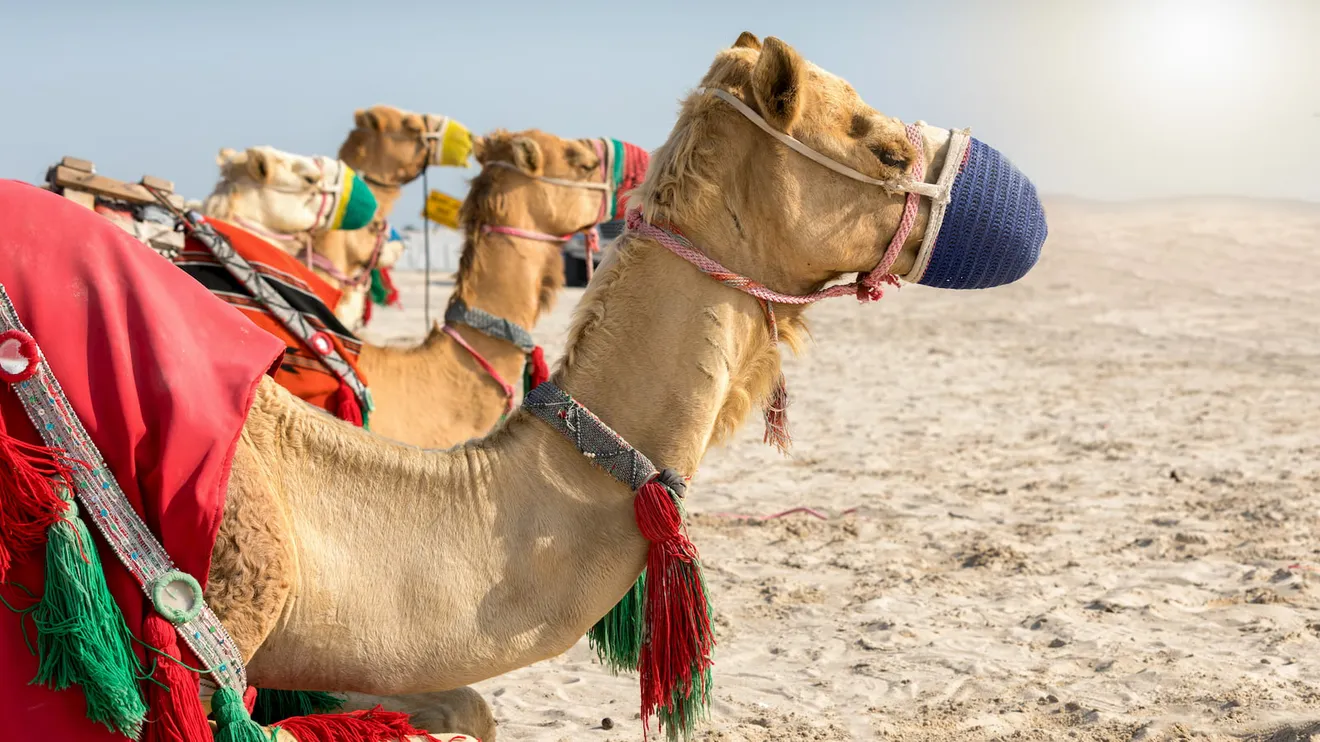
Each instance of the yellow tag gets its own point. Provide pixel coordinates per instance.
(442, 208)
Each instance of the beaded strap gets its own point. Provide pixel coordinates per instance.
(175, 594)
(596, 440)
(488, 324)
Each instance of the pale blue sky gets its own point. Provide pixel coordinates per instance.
(1105, 99)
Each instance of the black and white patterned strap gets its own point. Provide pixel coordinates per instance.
(176, 595)
(488, 324)
(604, 447)
(291, 318)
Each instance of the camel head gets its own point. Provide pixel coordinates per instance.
(780, 171)
(287, 193)
(527, 181)
(391, 147)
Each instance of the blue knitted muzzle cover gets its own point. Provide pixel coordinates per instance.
(993, 226)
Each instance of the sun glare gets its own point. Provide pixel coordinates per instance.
(1196, 45)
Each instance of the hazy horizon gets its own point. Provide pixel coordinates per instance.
(1111, 101)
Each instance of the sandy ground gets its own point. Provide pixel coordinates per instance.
(1086, 505)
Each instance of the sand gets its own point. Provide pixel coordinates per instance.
(1086, 504)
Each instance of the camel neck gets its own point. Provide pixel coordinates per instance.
(386, 197)
(676, 362)
(514, 544)
(502, 274)
(436, 393)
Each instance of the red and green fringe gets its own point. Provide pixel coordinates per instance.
(535, 370)
(662, 625)
(617, 637)
(371, 725)
(383, 291)
(277, 705)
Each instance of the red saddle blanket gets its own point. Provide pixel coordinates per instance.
(160, 372)
(302, 371)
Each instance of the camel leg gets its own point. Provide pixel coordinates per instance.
(458, 711)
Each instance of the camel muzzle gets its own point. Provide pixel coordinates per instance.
(987, 225)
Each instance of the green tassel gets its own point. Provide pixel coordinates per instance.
(689, 706)
(278, 705)
(379, 294)
(82, 638)
(692, 703)
(617, 638)
(232, 723)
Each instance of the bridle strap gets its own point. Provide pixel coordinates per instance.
(591, 235)
(608, 188)
(907, 185)
(329, 194)
(866, 288)
(485, 365)
(429, 139)
(317, 260)
(525, 234)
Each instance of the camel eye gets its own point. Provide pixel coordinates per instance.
(889, 158)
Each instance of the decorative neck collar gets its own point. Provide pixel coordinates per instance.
(661, 629)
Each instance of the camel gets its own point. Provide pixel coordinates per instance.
(347, 561)
(389, 148)
(514, 545)
(511, 276)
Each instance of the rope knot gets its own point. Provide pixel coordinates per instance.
(868, 293)
(634, 219)
(870, 287)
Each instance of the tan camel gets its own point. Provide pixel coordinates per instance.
(509, 276)
(505, 275)
(346, 561)
(389, 148)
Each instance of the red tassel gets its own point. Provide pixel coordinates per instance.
(776, 417)
(366, 311)
(371, 725)
(540, 371)
(250, 699)
(391, 292)
(176, 709)
(345, 405)
(676, 653)
(591, 244)
(29, 503)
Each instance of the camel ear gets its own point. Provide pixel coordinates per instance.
(479, 149)
(258, 166)
(777, 83)
(366, 119)
(747, 40)
(527, 155)
(226, 156)
(414, 122)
